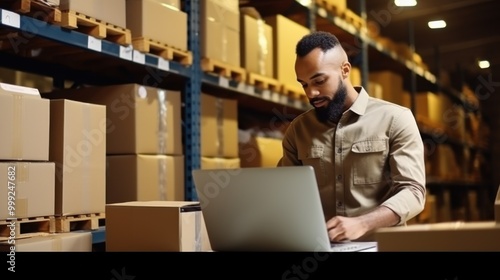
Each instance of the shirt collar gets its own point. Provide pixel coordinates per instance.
(359, 105)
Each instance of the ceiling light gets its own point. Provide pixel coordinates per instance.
(405, 3)
(437, 24)
(483, 64)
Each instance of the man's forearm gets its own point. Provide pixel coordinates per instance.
(378, 218)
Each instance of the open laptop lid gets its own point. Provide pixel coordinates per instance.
(262, 209)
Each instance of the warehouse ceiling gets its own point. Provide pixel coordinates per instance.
(471, 33)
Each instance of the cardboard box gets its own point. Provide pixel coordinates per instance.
(174, 226)
(25, 124)
(219, 127)
(220, 32)
(144, 177)
(440, 237)
(78, 148)
(260, 152)
(217, 163)
(286, 34)
(391, 83)
(56, 242)
(31, 187)
(159, 21)
(136, 123)
(256, 46)
(98, 9)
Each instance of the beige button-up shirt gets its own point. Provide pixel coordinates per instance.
(373, 156)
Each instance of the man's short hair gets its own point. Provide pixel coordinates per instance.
(318, 39)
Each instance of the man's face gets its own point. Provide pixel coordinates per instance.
(321, 77)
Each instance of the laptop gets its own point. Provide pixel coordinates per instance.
(265, 209)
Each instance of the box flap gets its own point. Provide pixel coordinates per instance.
(15, 89)
(179, 204)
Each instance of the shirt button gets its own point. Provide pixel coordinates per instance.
(339, 203)
(339, 177)
(339, 150)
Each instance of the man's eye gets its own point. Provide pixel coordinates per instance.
(319, 82)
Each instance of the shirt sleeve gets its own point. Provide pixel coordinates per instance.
(407, 168)
(290, 156)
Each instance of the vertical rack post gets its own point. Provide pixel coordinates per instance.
(413, 77)
(364, 48)
(311, 16)
(192, 101)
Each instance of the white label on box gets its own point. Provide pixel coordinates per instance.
(126, 52)
(11, 19)
(20, 89)
(266, 94)
(275, 97)
(163, 64)
(94, 44)
(223, 82)
(139, 57)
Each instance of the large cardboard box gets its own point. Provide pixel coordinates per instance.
(391, 83)
(98, 9)
(440, 237)
(260, 152)
(140, 119)
(144, 177)
(219, 127)
(158, 20)
(286, 34)
(25, 124)
(174, 226)
(256, 46)
(29, 188)
(218, 163)
(56, 242)
(78, 148)
(220, 32)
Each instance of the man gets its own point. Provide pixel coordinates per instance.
(367, 153)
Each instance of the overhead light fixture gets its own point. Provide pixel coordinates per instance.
(435, 24)
(483, 64)
(405, 3)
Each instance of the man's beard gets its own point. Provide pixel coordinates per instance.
(335, 107)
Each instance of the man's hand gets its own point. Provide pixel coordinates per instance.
(345, 228)
(351, 228)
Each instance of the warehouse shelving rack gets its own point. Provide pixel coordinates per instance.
(37, 46)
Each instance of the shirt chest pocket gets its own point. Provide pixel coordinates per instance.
(314, 157)
(369, 158)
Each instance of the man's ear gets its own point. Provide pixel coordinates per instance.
(346, 69)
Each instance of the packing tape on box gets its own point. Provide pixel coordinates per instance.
(162, 121)
(57, 244)
(263, 46)
(17, 123)
(197, 228)
(86, 174)
(22, 176)
(220, 126)
(162, 178)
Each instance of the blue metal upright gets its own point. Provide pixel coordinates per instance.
(192, 101)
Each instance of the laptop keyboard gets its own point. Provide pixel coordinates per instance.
(353, 246)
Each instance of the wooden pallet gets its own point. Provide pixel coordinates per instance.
(293, 91)
(263, 82)
(147, 45)
(79, 222)
(26, 227)
(223, 69)
(33, 8)
(95, 27)
(330, 7)
(354, 19)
